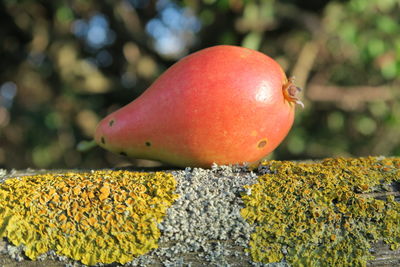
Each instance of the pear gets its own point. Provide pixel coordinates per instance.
(223, 104)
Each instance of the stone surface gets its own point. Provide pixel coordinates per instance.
(202, 228)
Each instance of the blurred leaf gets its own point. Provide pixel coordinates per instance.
(207, 17)
(87, 121)
(376, 47)
(85, 146)
(336, 121)
(53, 120)
(348, 31)
(228, 38)
(387, 5)
(252, 40)
(379, 108)
(64, 14)
(387, 25)
(389, 70)
(296, 143)
(366, 125)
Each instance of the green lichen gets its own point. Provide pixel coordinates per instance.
(95, 217)
(323, 214)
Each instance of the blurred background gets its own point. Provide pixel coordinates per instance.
(66, 64)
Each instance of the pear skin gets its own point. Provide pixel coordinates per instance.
(223, 104)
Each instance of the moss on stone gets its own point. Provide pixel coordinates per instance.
(94, 217)
(320, 214)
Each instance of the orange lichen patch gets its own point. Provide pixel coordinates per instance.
(319, 214)
(96, 217)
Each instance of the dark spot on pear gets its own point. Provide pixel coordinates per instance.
(123, 154)
(103, 141)
(262, 143)
(148, 144)
(111, 123)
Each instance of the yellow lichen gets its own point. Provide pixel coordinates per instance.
(94, 217)
(323, 214)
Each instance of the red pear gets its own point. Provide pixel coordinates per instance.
(223, 104)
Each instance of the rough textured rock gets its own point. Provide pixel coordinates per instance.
(202, 228)
(205, 221)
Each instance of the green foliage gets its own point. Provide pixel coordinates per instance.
(58, 80)
(368, 30)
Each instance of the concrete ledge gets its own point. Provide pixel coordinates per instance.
(204, 226)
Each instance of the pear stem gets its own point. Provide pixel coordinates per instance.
(85, 146)
(290, 91)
